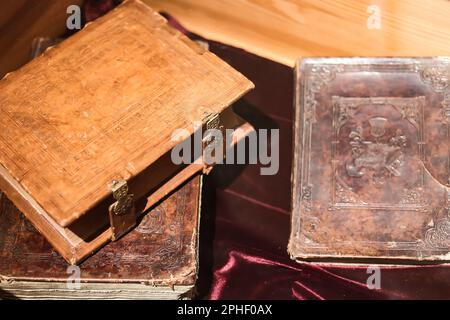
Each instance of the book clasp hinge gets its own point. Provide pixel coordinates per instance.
(211, 143)
(122, 213)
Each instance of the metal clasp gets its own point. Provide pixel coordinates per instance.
(212, 122)
(124, 200)
(122, 214)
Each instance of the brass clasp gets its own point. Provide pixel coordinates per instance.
(122, 214)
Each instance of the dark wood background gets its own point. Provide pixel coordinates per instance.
(23, 20)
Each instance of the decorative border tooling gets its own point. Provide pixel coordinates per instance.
(438, 237)
(319, 76)
(344, 109)
(438, 76)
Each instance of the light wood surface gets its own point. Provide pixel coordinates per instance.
(284, 30)
(23, 20)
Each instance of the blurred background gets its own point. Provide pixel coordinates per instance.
(280, 30)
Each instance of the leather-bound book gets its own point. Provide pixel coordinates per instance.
(157, 260)
(87, 128)
(371, 176)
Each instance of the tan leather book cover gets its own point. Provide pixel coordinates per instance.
(157, 260)
(86, 127)
(371, 172)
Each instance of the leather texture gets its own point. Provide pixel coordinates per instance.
(161, 251)
(246, 221)
(371, 160)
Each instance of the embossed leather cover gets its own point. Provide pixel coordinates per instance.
(156, 260)
(371, 172)
(102, 106)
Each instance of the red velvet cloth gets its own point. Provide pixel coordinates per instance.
(246, 221)
(252, 219)
(95, 8)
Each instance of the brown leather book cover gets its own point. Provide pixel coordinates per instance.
(86, 128)
(156, 260)
(371, 173)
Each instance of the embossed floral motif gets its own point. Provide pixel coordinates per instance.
(344, 194)
(345, 108)
(413, 196)
(377, 150)
(438, 237)
(306, 196)
(310, 107)
(446, 108)
(345, 112)
(438, 76)
(169, 256)
(410, 111)
(311, 224)
(306, 193)
(322, 75)
(154, 222)
(383, 158)
(319, 77)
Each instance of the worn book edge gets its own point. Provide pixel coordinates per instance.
(293, 250)
(178, 286)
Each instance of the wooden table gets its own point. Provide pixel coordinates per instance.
(283, 30)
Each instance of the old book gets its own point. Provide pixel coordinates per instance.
(371, 171)
(157, 260)
(86, 128)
